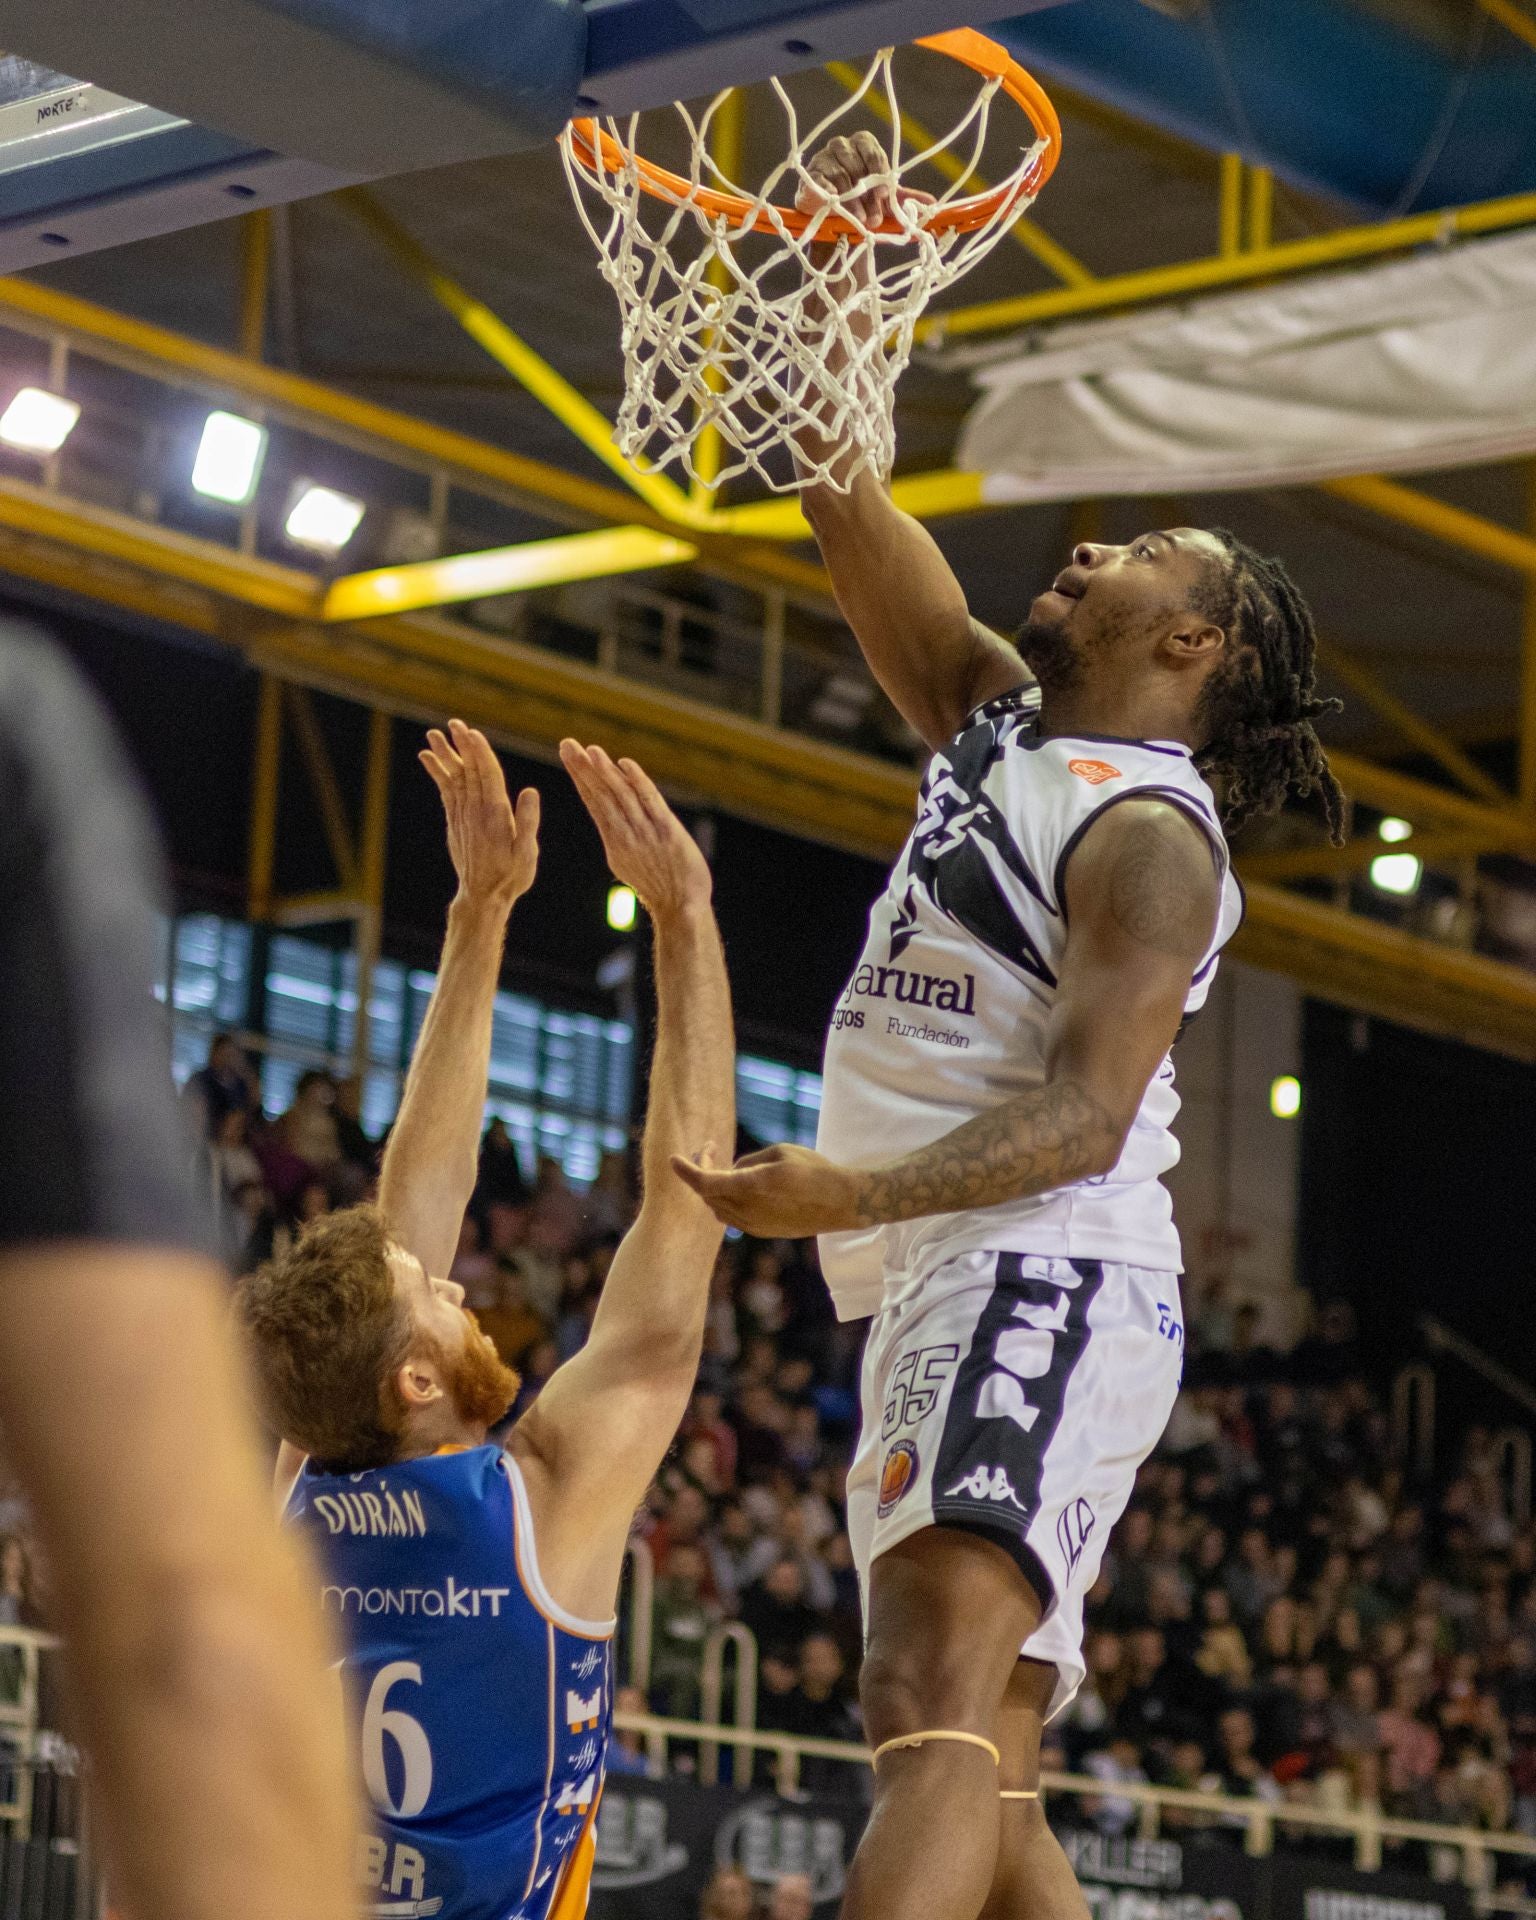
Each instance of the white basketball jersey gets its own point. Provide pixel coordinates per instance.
(947, 1012)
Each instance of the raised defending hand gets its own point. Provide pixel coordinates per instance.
(837, 169)
(648, 847)
(495, 850)
(782, 1193)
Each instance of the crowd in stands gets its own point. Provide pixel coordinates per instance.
(1283, 1611)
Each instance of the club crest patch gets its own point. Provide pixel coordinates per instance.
(1095, 772)
(897, 1475)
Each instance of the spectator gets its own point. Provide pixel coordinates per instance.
(776, 1608)
(359, 1151)
(792, 1898)
(816, 1709)
(507, 1318)
(308, 1128)
(15, 1598)
(626, 1750)
(1237, 1766)
(226, 1084)
(1118, 1764)
(728, 1896)
(234, 1163)
(680, 1625)
(501, 1174)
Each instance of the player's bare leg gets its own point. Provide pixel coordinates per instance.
(1033, 1875)
(948, 1613)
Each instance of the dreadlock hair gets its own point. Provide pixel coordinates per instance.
(1259, 709)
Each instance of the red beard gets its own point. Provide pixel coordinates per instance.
(482, 1385)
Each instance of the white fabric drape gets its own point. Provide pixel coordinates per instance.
(1425, 362)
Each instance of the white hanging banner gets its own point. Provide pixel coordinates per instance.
(1426, 362)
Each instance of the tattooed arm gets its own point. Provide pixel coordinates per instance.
(1141, 900)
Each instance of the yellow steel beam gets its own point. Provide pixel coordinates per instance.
(1428, 806)
(166, 355)
(176, 556)
(488, 330)
(261, 857)
(427, 666)
(327, 788)
(1409, 727)
(319, 909)
(1458, 528)
(385, 434)
(1201, 276)
(1512, 18)
(1379, 969)
(1031, 237)
(1323, 862)
(515, 569)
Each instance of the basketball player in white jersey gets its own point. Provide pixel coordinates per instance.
(996, 1117)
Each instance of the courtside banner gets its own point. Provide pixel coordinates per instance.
(658, 1842)
(1305, 1890)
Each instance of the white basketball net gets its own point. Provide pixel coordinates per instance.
(745, 331)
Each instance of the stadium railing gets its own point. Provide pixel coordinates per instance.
(1259, 1820)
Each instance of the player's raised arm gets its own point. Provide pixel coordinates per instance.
(895, 588)
(431, 1162)
(598, 1431)
(1141, 896)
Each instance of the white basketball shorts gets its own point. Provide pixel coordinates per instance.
(1016, 1397)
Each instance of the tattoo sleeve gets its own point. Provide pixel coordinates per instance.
(1043, 1139)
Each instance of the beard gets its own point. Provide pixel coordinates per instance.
(482, 1385)
(1050, 653)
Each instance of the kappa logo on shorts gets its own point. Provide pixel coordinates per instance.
(987, 1483)
(1095, 772)
(1072, 1530)
(897, 1475)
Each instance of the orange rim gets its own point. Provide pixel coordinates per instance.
(601, 151)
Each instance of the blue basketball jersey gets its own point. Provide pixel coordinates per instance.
(482, 1708)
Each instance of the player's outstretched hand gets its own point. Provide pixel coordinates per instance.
(495, 849)
(782, 1193)
(648, 847)
(837, 169)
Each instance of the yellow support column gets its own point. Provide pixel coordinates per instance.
(1230, 216)
(1261, 210)
(266, 765)
(255, 277)
(371, 868)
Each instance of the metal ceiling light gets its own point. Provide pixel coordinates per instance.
(37, 421)
(229, 458)
(1398, 873)
(322, 518)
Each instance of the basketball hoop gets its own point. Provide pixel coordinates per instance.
(731, 322)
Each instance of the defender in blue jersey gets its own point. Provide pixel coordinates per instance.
(473, 1585)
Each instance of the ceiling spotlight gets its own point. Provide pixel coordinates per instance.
(1393, 830)
(622, 907)
(322, 518)
(1398, 873)
(229, 457)
(38, 422)
(1285, 1097)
